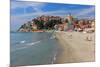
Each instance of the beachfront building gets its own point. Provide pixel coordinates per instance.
(70, 22)
(83, 25)
(93, 24)
(60, 27)
(90, 26)
(65, 25)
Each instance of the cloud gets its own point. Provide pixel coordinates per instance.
(35, 6)
(40, 12)
(82, 13)
(86, 11)
(24, 4)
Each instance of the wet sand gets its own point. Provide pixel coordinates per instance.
(75, 47)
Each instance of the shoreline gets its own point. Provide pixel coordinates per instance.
(74, 47)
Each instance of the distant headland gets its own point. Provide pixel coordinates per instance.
(46, 23)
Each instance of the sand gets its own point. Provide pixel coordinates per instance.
(75, 47)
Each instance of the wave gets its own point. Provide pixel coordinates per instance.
(53, 37)
(27, 45)
(54, 58)
(34, 43)
(22, 41)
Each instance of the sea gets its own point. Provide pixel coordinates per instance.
(32, 48)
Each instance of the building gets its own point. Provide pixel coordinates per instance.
(70, 22)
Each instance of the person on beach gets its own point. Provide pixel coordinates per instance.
(89, 38)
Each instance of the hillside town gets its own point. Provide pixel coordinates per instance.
(69, 23)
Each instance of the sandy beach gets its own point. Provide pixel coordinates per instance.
(75, 47)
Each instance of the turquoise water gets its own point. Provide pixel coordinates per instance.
(32, 49)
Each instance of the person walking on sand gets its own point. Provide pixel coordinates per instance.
(88, 38)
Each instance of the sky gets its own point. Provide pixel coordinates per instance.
(24, 11)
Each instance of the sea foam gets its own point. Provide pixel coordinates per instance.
(22, 41)
(34, 43)
(27, 45)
